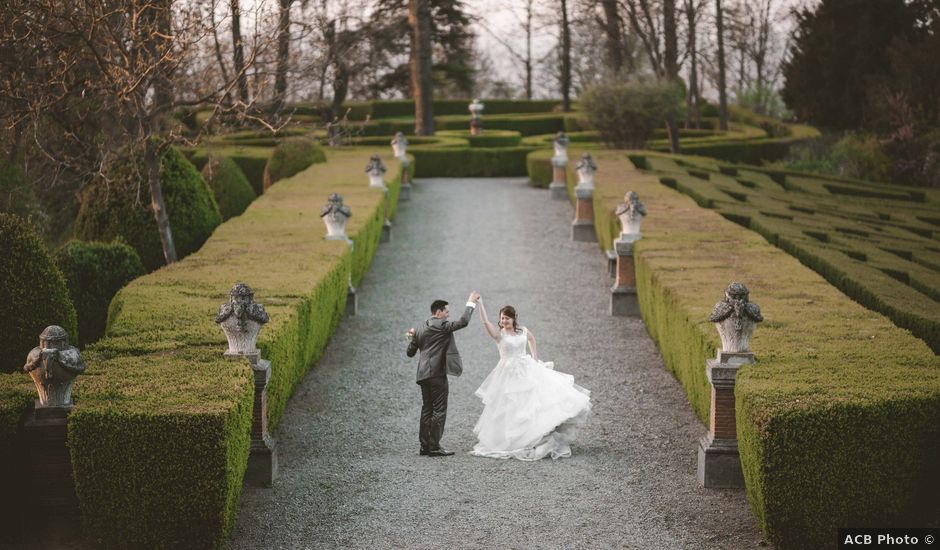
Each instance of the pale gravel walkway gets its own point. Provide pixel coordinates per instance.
(350, 474)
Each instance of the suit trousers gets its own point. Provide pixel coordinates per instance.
(433, 412)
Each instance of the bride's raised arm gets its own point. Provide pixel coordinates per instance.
(490, 328)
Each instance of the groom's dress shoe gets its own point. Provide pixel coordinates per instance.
(440, 452)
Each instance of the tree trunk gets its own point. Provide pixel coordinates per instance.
(722, 81)
(152, 160)
(283, 56)
(614, 36)
(691, 113)
(528, 50)
(671, 65)
(419, 17)
(340, 86)
(565, 58)
(238, 52)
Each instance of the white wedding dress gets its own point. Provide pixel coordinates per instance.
(530, 411)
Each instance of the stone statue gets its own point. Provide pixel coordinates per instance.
(376, 171)
(476, 119)
(735, 318)
(335, 214)
(53, 366)
(586, 168)
(399, 145)
(241, 319)
(631, 212)
(560, 145)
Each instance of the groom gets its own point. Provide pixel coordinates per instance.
(439, 357)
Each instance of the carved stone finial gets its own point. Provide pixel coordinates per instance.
(631, 212)
(376, 171)
(241, 319)
(476, 112)
(399, 145)
(53, 365)
(560, 144)
(335, 214)
(735, 318)
(586, 168)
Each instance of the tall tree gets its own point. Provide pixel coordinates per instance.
(722, 82)
(692, 115)
(524, 60)
(283, 56)
(671, 65)
(238, 52)
(614, 33)
(419, 18)
(565, 58)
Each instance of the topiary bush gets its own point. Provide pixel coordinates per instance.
(229, 185)
(121, 208)
(17, 196)
(290, 157)
(94, 272)
(627, 114)
(35, 295)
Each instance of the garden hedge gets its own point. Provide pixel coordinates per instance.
(229, 185)
(469, 162)
(251, 159)
(838, 420)
(94, 272)
(290, 157)
(489, 138)
(35, 293)
(120, 208)
(159, 437)
(405, 108)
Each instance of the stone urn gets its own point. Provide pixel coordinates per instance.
(53, 365)
(376, 171)
(560, 144)
(735, 318)
(240, 319)
(399, 146)
(335, 214)
(631, 212)
(476, 114)
(586, 168)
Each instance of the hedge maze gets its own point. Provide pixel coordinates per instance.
(879, 244)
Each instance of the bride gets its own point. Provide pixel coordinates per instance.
(530, 410)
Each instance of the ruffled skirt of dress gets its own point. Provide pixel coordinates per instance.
(530, 411)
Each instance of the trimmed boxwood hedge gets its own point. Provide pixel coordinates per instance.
(290, 157)
(94, 272)
(406, 107)
(469, 162)
(112, 209)
(159, 438)
(252, 161)
(489, 138)
(229, 185)
(35, 293)
(838, 420)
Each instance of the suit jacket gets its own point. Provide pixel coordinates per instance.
(432, 339)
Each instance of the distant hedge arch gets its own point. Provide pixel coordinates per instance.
(229, 185)
(94, 272)
(292, 156)
(121, 208)
(35, 295)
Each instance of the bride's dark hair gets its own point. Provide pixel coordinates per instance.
(510, 312)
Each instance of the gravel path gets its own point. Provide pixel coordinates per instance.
(350, 473)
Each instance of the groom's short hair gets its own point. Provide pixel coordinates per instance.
(437, 305)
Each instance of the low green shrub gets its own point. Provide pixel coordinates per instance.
(539, 168)
(406, 108)
(290, 157)
(35, 294)
(229, 185)
(251, 160)
(861, 156)
(94, 272)
(119, 207)
(17, 196)
(469, 162)
(837, 421)
(627, 114)
(489, 138)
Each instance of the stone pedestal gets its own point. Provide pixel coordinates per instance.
(623, 298)
(719, 465)
(262, 460)
(352, 300)
(386, 234)
(405, 193)
(611, 263)
(582, 228)
(51, 487)
(559, 185)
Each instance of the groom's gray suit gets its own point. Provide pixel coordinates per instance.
(439, 355)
